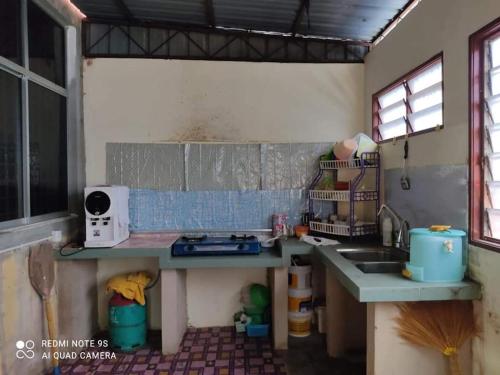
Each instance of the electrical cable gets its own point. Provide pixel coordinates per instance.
(78, 250)
(150, 285)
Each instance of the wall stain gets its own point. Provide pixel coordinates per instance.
(202, 133)
(494, 321)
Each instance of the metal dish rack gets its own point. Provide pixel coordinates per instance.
(368, 160)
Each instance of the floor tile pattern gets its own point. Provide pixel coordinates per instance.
(203, 351)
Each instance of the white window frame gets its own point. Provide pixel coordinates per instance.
(25, 75)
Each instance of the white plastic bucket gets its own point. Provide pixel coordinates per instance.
(299, 324)
(299, 277)
(299, 300)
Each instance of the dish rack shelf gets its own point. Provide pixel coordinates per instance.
(367, 160)
(351, 228)
(343, 230)
(343, 195)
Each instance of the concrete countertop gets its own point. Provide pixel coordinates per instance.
(158, 245)
(390, 287)
(379, 287)
(137, 246)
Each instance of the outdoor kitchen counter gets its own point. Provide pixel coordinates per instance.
(349, 291)
(137, 246)
(391, 287)
(173, 277)
(342, 279)
(365, 287)
(158, 245)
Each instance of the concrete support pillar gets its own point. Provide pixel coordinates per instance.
(173, 309)
(279, 290)
(336, 316)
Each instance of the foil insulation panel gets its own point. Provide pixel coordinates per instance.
(222, 167)
(144, 165)
(213, 186)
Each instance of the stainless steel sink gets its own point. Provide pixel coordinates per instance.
(380, 267)
(375, 259)
(374, 254)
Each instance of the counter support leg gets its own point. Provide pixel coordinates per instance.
(279, 290)
(370, 338)
(173, 309)
(336, 314)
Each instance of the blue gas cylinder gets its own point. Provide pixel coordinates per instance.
(127, 323)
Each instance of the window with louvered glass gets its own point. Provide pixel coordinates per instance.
(412, 104)
(492, 137)
(484, 199)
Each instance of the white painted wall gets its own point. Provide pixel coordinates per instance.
(436, 26)
(135, 100)
(213, 295)
(389, 354)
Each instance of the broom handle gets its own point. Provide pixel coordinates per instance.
(51, 328)
(454, 365)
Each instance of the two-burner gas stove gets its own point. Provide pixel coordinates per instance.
(206, 245)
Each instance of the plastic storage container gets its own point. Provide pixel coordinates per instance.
(255, 313)
(345, 149)
(299, 300)
(257, 330)
(127, 323)
(299, 277)
(365, 144)
(436, 256)
(299, 323)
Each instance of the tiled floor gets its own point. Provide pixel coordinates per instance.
(220, 351)
(204, 351)
(307, 356)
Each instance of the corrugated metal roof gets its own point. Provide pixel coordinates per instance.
(353, 19)
(345, 19)
(264, 15)
(99, 8)
(179, 11)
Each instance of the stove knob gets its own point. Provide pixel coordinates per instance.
(241, 246)
(190, 247)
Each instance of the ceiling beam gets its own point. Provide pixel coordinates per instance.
(210, 13)
(125, 11)
(221, 31)
(299, 16)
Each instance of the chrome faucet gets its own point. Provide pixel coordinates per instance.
(402, 236)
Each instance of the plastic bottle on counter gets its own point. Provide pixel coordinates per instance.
(387, 231)
(279, 224)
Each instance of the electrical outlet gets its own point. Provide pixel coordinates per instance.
(56, 236)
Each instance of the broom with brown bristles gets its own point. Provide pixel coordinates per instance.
(441, 325)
